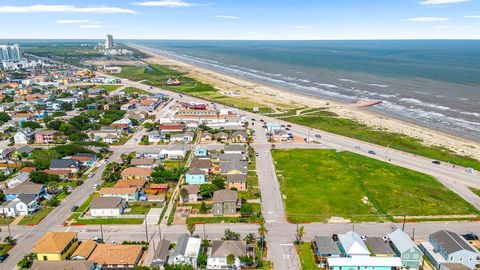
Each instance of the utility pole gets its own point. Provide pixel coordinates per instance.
(101, 232)
(146, 229)
(413, 235)
(9, 232)
(204, 231)
(404, 218)
(160, 231)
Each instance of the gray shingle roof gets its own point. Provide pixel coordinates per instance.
(26, 187)
(451, 241)
(379, 246)
(64, 163)
(401, 240)
(181, 245)
(225, 195)
(106, 202)
(236, 178)
(222, 248)
(26, 198)
(326, 245)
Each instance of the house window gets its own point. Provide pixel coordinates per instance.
(406, 256)
(45, 258)
(416, 256)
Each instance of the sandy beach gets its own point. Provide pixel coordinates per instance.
(279, 98)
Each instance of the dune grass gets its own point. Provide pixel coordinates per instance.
(319, 184)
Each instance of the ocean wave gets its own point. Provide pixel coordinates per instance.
(425, 104)
(470, 113)
(327, 85)
(379, 85)
(347, 80)
(387, 96)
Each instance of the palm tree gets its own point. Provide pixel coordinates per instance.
(262, 231)
(249, 238)
(299, 233)
(191, 227)
(230, 260)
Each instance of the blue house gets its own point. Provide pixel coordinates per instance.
(364, 263)
(405, 248)
(452, 249)
(195, 176)
(325, 247)
(27, 187)
(200, 152)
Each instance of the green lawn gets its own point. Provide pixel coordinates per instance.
(327, 121)
(6, 220)
(133, 90)
(37, 217)
(109, 87)
(305, 254)
(223, 220)
(139, 209)
(4, 248)
(319, 184)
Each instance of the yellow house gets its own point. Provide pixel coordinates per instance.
(56, 246)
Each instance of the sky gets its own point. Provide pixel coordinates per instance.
(241, 19)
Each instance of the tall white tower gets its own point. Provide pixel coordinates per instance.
(109, 42)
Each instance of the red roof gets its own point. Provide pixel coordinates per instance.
(27, 170)
(57, 172)
(162, 127)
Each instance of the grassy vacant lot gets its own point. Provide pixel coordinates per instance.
(118, 221)
(37, 217)
(109, 87)
(319, 184)
(306, 256)
(157, 75)
(476, 191)
(328, 121)
(133, 90)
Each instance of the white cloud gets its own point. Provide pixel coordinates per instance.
(441, 2)
(63, 9)
(166, 3)
(302, 27)
(442, 27)
(71, 21)
(472, 16)
(228, 17)
(427, 19)
(90, 26)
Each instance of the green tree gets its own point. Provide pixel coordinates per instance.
(219, 183)
(262, 232)
(246, 260)
(31, 124)
(42, 157)
(183, 193)
(299, 233)
(231, 235)
(250, 238)
(54, 202)
(4, 117)
(54, 124)
(65, 106)
(191, 227)
(43, 178)
(202, 260)
(206, 190)
(246, 210)
(179, 267)
(230, 260)
(203, 208)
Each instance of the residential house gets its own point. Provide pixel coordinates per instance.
(379, 246)
(225, 202)
(148, 104)
(46, 136)
(176, 151)
(206, 137)
(237, 181)
(148, 163)
(123, 124)
(405, 248)
(186, 251)
(203, 164)
(364, 262)
(55, 246)
(84, 250)
(145, 153)
(128, 194)
(111, 138)
(235, 149)
(27, 187)
(195, 176)
(351, 244)
(233, 167)
(453, 266)
(221, 249)
(118, 257)
(62, 265)
(200, 151)
(192, 193)
(182, 137)
(18, 179)
(25, 150)
(221, 136)
(239, 136)
(154, 136)
(24, 136)
(171, 128)
(65, 164)
(452, 248)
(107, 206)
(23, 205)
(85, 159)
(136, 173)
(324, 247)
(62, 174)
(161, 188)
(128, 183)
(161, 254)
(6, 153)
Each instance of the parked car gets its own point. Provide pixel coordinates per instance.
(318, 136)
(3, 257)
(253, 119)
(95, 185)
(289, 126)
(98, 240)
(470, 236)
(90, 175)
(436, 162)
(358, 147)
(335, 237)
(287, 129)
(74, 208)
(371, 152)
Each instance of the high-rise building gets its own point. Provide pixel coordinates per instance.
(109, 42)
(10, 52)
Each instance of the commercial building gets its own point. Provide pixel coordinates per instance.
(109, 41)
(10, 52)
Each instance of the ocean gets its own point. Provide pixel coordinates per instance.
(434, 83)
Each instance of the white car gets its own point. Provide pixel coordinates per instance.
(95, 186)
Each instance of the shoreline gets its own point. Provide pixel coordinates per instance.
(273, 96)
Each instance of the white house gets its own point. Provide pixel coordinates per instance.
(154, 136)
(221, 249)
(24, 135)
(186, 251)
(351, 244)
(107, 206)
(24, 204)
(176, 151)
(18, 179)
